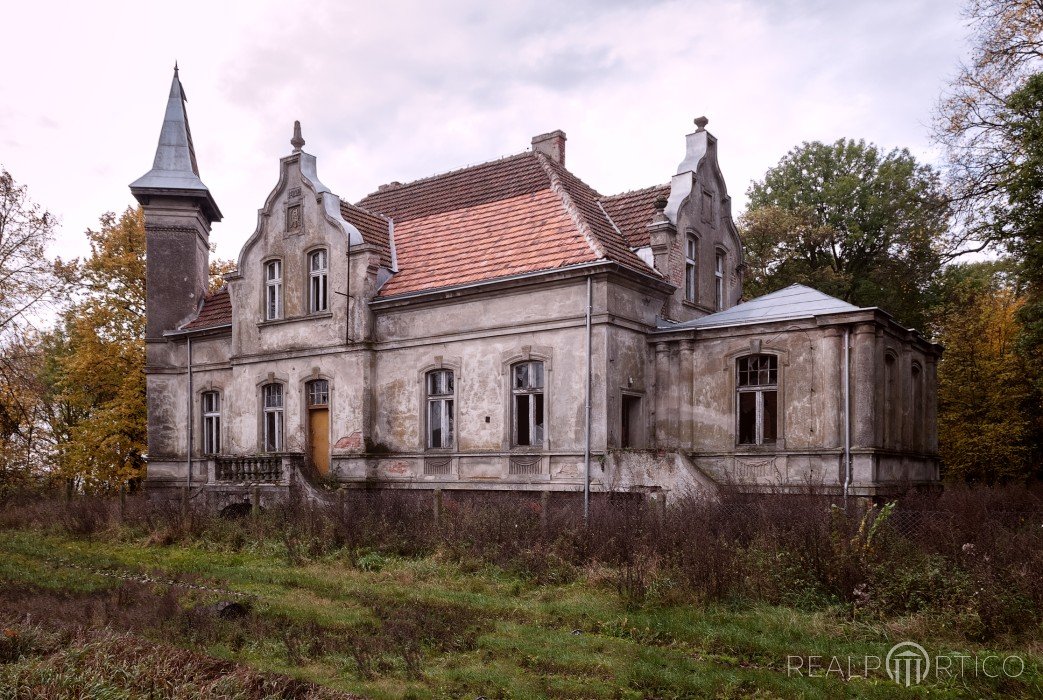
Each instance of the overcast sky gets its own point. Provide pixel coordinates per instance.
(401, 90)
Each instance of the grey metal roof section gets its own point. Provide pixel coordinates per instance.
(174, 170)
(793, 302)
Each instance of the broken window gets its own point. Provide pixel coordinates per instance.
(440, 400)
(273, 290)
(757, 384)
(273, 413)
(211, 401)
(318, 266)
(527, 403)
(318, 393)
(690, 267)
(718, 280)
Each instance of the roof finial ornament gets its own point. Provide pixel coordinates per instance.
(701, 123)
(297, 141)
(175, 66)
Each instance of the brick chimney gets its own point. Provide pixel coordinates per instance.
(551, 145)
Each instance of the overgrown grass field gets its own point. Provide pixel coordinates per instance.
(167, 603)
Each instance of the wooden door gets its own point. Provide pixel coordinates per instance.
(319, 438)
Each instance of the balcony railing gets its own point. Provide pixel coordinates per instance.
(253, 469)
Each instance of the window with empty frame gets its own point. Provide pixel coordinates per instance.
(272, 397)
(440, 404)
(757, 389)
(273, 290)
(211, 401)
(527, 405)
(318, 273)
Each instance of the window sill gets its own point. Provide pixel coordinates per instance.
(694, 305)
(757, 449)
(294, 319)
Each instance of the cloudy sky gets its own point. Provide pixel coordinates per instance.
(400, 90)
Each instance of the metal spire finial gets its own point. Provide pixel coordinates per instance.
(297, 141)
(175, 67)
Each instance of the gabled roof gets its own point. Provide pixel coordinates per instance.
(215, 311)
(794, 302)
(632, 212)
(523, 213)
(375, 229)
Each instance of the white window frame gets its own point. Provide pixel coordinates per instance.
(210, 403)
(440, 390)
(758, 390)
(318, 281)
(273, 403)
(718, 274)
(273, 309)
(691, 267)
(530, 389)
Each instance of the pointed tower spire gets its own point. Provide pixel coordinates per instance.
(174, 168)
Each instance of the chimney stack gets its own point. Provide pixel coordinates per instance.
(551, 145)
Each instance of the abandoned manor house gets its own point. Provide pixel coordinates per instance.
(506, 327)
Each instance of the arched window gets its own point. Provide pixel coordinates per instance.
(757, 388)
(272, 401)
(441, 400)
(273, 290)
(211, 401)
(527, 404)
(318, 269)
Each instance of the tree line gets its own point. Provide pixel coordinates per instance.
(954, 250)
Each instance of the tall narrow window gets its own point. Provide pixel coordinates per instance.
(690, 267)
(890, 399)
(273, 290)
(318, 266)
(440, 404)
(718, 280)
(630, 434)
(757, 386)
(917, 434)
(527, 406)
(211, 422)
(273, 410)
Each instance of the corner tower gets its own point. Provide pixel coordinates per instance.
(179, 211)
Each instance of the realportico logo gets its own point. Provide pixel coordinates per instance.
(907, 664)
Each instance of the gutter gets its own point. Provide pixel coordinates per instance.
(847, 412)
(586, 421)
(190, 418)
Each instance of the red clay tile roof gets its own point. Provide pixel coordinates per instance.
(373, 227)
(632, 212)
(216, 311)
(519, 214)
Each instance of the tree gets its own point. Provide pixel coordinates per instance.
(26, 275)
(866, 226)
(986, 428)
(98, 361)
(973, 121)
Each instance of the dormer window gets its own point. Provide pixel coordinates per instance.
(318, 269)
(273, 290)
(690, 267)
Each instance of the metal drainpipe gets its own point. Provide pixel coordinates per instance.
(586, 436)
(347, 299)
(190, 418)
(847, 412)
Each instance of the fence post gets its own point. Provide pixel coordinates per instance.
(544, 514)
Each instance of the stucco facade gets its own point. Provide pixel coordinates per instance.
(447, 334)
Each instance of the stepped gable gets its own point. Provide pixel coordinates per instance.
(632, 211)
